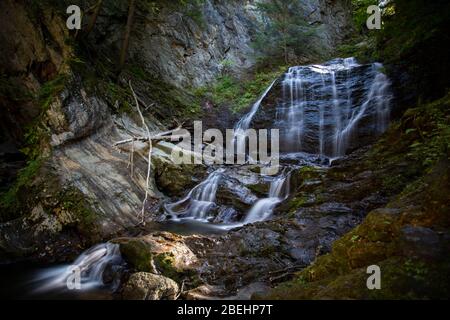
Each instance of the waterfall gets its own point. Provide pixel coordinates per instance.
(323, 105)
(323, 110)
(244, 123)
(378, 94)
(199, 201)
(91, 265)
(293, 94)
(263, 208)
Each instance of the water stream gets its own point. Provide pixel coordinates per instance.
(321, 112)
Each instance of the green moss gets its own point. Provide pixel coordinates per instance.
(9, 201)
(50, 89)
(412, 159)
(238, 94)
(35, 137)
(137, 253)
(86, 219)
(164, 264)
(297, 202)
(260, 188)
(359, 8)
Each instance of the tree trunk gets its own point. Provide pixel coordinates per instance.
(94, 18)
(285, 48)
(126, 40)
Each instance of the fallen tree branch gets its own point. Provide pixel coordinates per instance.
(146, 139)
(142, 134)
(149, 165)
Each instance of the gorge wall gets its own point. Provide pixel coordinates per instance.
(76, 181)
(189, 47)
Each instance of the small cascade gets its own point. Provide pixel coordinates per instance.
(263, 208)
(199, 201)
(91, 265)
(244, 123)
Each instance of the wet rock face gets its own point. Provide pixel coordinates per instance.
(325, 203)
(173, 180)
(33, 52)
(327, 109)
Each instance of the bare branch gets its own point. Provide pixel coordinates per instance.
(149, 165)
(152, 138)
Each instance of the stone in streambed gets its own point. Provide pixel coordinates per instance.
(148, 286)
(173, 180)
(161, 252)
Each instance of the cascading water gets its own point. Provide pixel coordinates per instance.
(244, 123)
(324, 104)
(91, 265)
(324, 111)
(199, 201)
(263, 208)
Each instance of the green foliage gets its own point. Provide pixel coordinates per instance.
(49, 90)
(286, 33)
(237, 93)
(360, 14)
(9, 201)
(35, 135)
(363, 48)
(414, 38)
(193, 10)
(428, 131)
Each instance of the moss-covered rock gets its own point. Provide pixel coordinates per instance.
(138, 254)
(174, 180)
(54, 221)
(408, 238)
(261, 189)
(161, 253)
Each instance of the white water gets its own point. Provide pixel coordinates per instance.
(244, 123)
(199, 201)
(327, 91)
(263, 208)
(322, 107)
(378, 93)
(91, 265)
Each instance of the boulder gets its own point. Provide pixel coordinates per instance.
(161, 252)
(148, 286)
(173, 179)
